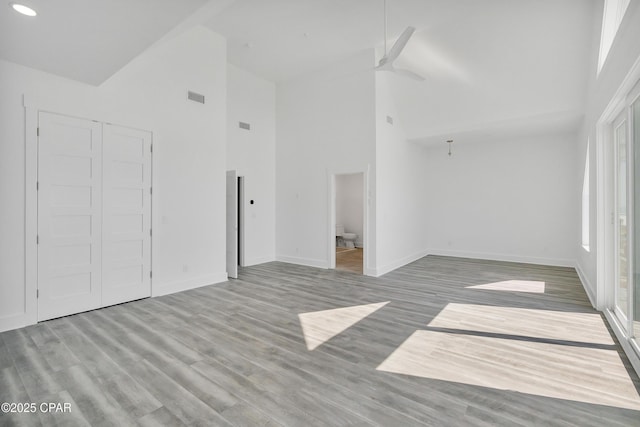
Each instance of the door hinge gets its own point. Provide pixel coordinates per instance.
(37, 185)
(150, 274)
(150, 232)
(37, 131)
(37, 293)
(37, 239)
(152, 148)
(150, 190)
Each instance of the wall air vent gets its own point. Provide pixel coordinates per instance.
(243, 125)
(195, 97)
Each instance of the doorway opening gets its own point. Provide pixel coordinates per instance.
(349, 222)
(235, 223)
(241, 221)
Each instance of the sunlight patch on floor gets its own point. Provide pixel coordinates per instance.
(547, 324)
(540, 352)
(542, 369)
(530, 286)
(319, 327)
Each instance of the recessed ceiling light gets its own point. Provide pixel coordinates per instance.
(25, 10)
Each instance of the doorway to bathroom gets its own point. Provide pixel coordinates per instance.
(349, 211)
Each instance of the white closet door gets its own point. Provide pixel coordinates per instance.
(69, 215)
(126, 247)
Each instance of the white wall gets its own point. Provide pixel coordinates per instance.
(624, 52)
(189, 157)
(349, 204)
(252, 100)
(511, 199)
(324, 124)
(401, 193)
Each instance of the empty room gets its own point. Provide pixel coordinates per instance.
(320, 213)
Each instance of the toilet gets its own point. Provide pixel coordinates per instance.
(346, 239)
(349, 239)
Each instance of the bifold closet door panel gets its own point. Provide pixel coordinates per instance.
(126, 250)
(69, 215)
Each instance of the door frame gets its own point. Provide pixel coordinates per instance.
(331, 215)
(241, 220)
(604, 184)
(622, 121)
(231, 230)
(605, 255)
(32, 109)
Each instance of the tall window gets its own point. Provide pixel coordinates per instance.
(585, 202)
(611, 18)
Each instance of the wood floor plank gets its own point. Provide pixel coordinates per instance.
(160, 417)
(235, 353)
(92, 399)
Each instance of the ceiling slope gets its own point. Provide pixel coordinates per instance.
(490, 64)
(87, 40)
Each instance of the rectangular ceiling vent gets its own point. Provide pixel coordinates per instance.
(243, 125)
(390, 120)
(195, 97)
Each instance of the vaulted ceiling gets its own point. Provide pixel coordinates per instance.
(87, 40)
(511, 63)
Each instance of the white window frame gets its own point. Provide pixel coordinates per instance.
(586, 201)
(612, 15)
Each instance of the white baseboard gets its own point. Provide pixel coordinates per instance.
(309, 262)
(258, 260)
(184, 285)
(586, 284)
(21, 320)
(16, 321)
(557, 262)
(369, 272)
(377, 272)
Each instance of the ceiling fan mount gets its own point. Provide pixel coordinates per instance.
(386, 62)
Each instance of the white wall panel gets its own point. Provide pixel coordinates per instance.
(252, 153)
(190, 146)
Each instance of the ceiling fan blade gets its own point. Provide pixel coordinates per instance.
(409, 73)
(397, 47)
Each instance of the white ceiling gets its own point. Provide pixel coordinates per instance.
(486, 61)
(492, 66)
(280, 39)
(510, 64)
(87, 40)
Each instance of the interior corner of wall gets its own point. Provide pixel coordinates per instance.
(587, 285)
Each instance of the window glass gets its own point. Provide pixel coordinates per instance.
(613, 13)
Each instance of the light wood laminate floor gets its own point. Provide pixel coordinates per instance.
(349, 260)
(442, 341)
